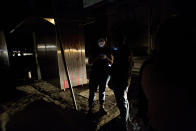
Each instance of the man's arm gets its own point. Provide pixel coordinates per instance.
(110, 59)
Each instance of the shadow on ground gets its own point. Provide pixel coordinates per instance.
(43, 116)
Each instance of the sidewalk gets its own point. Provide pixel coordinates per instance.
(41, 101)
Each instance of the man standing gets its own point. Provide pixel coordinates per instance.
(99, 75)
(120, 80)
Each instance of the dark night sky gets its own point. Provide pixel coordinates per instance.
(13, 11)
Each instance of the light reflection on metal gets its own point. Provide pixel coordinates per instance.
(27, 54)
(4, 59)
(74, 51)
(51, 20)
(36, 56)
(41, 46)
(17, 26)
(3, 51)
(87, 3)
(46, 46)
(45, 40)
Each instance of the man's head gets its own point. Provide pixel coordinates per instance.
(101, 42)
